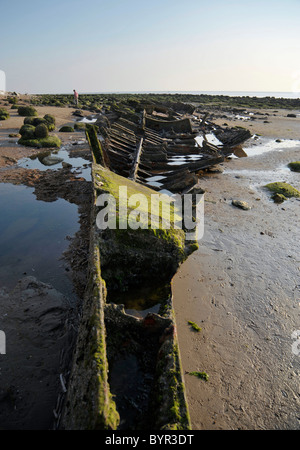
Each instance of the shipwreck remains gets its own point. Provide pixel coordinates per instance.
(164, 148)
(126, 371)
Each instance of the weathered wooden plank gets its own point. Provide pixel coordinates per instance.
(136, 161)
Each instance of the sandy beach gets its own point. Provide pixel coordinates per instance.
(241, 287)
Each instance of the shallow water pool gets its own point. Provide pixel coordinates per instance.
(33, 237)
(79, 165)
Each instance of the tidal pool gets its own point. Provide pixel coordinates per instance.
(38, 162)
(33, 236)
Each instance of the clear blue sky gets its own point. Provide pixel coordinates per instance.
(155, 45)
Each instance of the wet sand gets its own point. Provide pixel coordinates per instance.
(278, 124)
(242, 287)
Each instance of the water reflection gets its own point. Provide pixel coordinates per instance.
(33, 237)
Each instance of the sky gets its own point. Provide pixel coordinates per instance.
(154, 45)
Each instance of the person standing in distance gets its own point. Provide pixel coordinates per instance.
(75, 97)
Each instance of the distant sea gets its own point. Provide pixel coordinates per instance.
(228, 93)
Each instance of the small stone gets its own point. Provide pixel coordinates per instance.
(241, 204)
(66, 165)
(51, 160)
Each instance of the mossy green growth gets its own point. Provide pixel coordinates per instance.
(202, 375)
(27, 111)
(66, 129)
(47, 120)
(171, 402)
(12, 100)
(283, 188)
(294, 166)
(50, 122)
(41, 131)
(134, 204)
(194, 326)
(29, 120)
(27, 131)
(95, 146)
(47, 142)
(4, 114)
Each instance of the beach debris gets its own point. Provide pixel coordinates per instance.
(278, 198)
(194, 326)
(239, 152)
(202, 375)
(241, 204)
(62, 382)
(215, 169)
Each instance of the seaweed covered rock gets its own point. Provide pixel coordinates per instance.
(50, 121)
(4, 114)
(38, 121)
(26, 111)
(35, 132)
(27, 131)
(12, 100)
(41, 131)
(48, 142)
(283, 188)
(29, 120)
(66, 129)
(294, 166)
(47, 120)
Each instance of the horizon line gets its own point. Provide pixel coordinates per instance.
(292, 93)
